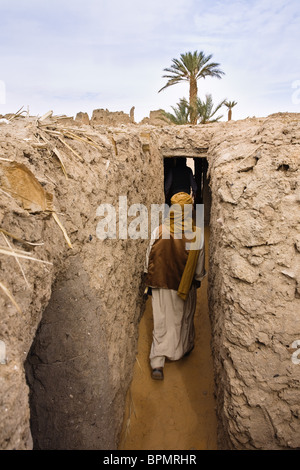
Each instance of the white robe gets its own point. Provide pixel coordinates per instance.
(173, 318)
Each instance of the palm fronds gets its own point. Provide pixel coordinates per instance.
(191, 67)
(204, 111)
(230, 105)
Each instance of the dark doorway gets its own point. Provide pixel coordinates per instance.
(169, 163)
(199, 166)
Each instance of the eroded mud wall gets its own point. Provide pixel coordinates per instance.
(254, 281)
(80, 364)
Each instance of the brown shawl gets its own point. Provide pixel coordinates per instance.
(171, 265)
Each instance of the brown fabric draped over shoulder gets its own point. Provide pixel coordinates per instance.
(167, 261)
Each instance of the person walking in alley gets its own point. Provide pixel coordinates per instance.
(174, 271)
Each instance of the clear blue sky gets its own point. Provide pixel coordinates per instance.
(73, 56)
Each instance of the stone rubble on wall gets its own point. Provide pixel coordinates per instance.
(156, 118)
(82, 118)
(110, 118)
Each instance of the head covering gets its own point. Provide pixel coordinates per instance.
(181, 161)
(180, 217)
(181, 220)
(178, 224)
(181, 199)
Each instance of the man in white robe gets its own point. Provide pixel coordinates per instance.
(173, 313)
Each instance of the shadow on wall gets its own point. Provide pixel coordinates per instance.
(71, 396)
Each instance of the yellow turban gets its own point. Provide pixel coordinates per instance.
(180, 220)
(181, 199)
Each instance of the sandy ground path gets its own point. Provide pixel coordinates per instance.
(177, 413)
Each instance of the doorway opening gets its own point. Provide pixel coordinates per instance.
(203, 192)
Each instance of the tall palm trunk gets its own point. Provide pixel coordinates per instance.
(229, 114)
(193, 99)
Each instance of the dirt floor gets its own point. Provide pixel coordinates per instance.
(177, 413)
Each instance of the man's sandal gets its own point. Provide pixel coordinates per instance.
(157, 373)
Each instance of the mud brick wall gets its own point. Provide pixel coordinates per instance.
(77, 332)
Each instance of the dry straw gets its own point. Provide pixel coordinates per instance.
(9, 251)
(55, 216)
(17, 260)
(20, 254)
(10, 296)
(18, 113)
(20, 239)
(128, 421)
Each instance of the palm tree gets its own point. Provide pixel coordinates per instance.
(181, 112)
(230, 105)
(191, 67)
(206, 110)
